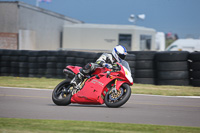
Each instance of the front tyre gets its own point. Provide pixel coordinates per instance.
(116, 100)
(61, 94)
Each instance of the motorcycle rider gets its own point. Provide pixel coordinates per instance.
(107, 60)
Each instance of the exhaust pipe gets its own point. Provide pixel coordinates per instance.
(68, 73)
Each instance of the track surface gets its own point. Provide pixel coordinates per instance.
(141, 109)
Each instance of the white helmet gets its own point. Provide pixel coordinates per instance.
(119, 52)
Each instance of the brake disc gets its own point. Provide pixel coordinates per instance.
(116, 96)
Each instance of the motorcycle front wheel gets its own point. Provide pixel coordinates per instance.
(115, 100)
(61, 95)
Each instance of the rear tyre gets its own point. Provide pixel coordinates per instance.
(61, 96)
(116, 100)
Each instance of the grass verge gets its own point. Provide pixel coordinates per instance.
(166, 90)
(42, 83)
(51, 126)
(49, 83)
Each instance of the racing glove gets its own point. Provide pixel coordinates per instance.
(109, 66)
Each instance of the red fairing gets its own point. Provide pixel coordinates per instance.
(75, 69)
(92, 91)
(122, 75)
(100, 70)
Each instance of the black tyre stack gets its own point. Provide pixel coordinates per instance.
(51, 64)
(144, 67)
(75, 58)
(172, 68)
(90, 57)
(81, 58)
(147, 67)
(130, 58)
(42, 63)
(5, 62)
(33, 63)
(194, 66)
(23, 63)
(61, 63)
(71, 58)
(14, 63)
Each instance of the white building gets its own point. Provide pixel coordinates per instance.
(23, 26)
(160, 41)
(105, 37)
(28, 27)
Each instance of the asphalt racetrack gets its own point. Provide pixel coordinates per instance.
(140, 109)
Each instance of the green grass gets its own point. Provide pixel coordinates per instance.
(12, 125)
(42, 83)
(48, 83)
(167, 90)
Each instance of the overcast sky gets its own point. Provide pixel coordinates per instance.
(176, 16)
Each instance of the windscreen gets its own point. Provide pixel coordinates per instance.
(125, 64)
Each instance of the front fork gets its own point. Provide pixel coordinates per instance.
(113, 89)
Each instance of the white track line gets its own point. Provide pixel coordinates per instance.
(26, 88)
(167, 96)
(131, 94)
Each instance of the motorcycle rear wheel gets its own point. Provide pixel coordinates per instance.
(116, 100)
(61, 96)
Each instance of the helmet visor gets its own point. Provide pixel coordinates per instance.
(122, 56)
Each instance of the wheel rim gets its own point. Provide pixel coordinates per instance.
(62, 91)
(112, 98)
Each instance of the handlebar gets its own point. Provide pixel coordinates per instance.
(116, 67)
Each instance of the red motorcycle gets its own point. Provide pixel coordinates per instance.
(109, 86)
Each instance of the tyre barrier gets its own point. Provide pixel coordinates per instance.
(9, 59)
(130, 58)
(147, 67)
(194, 68)
(144, 67)
(172, 68)
(33, 64)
